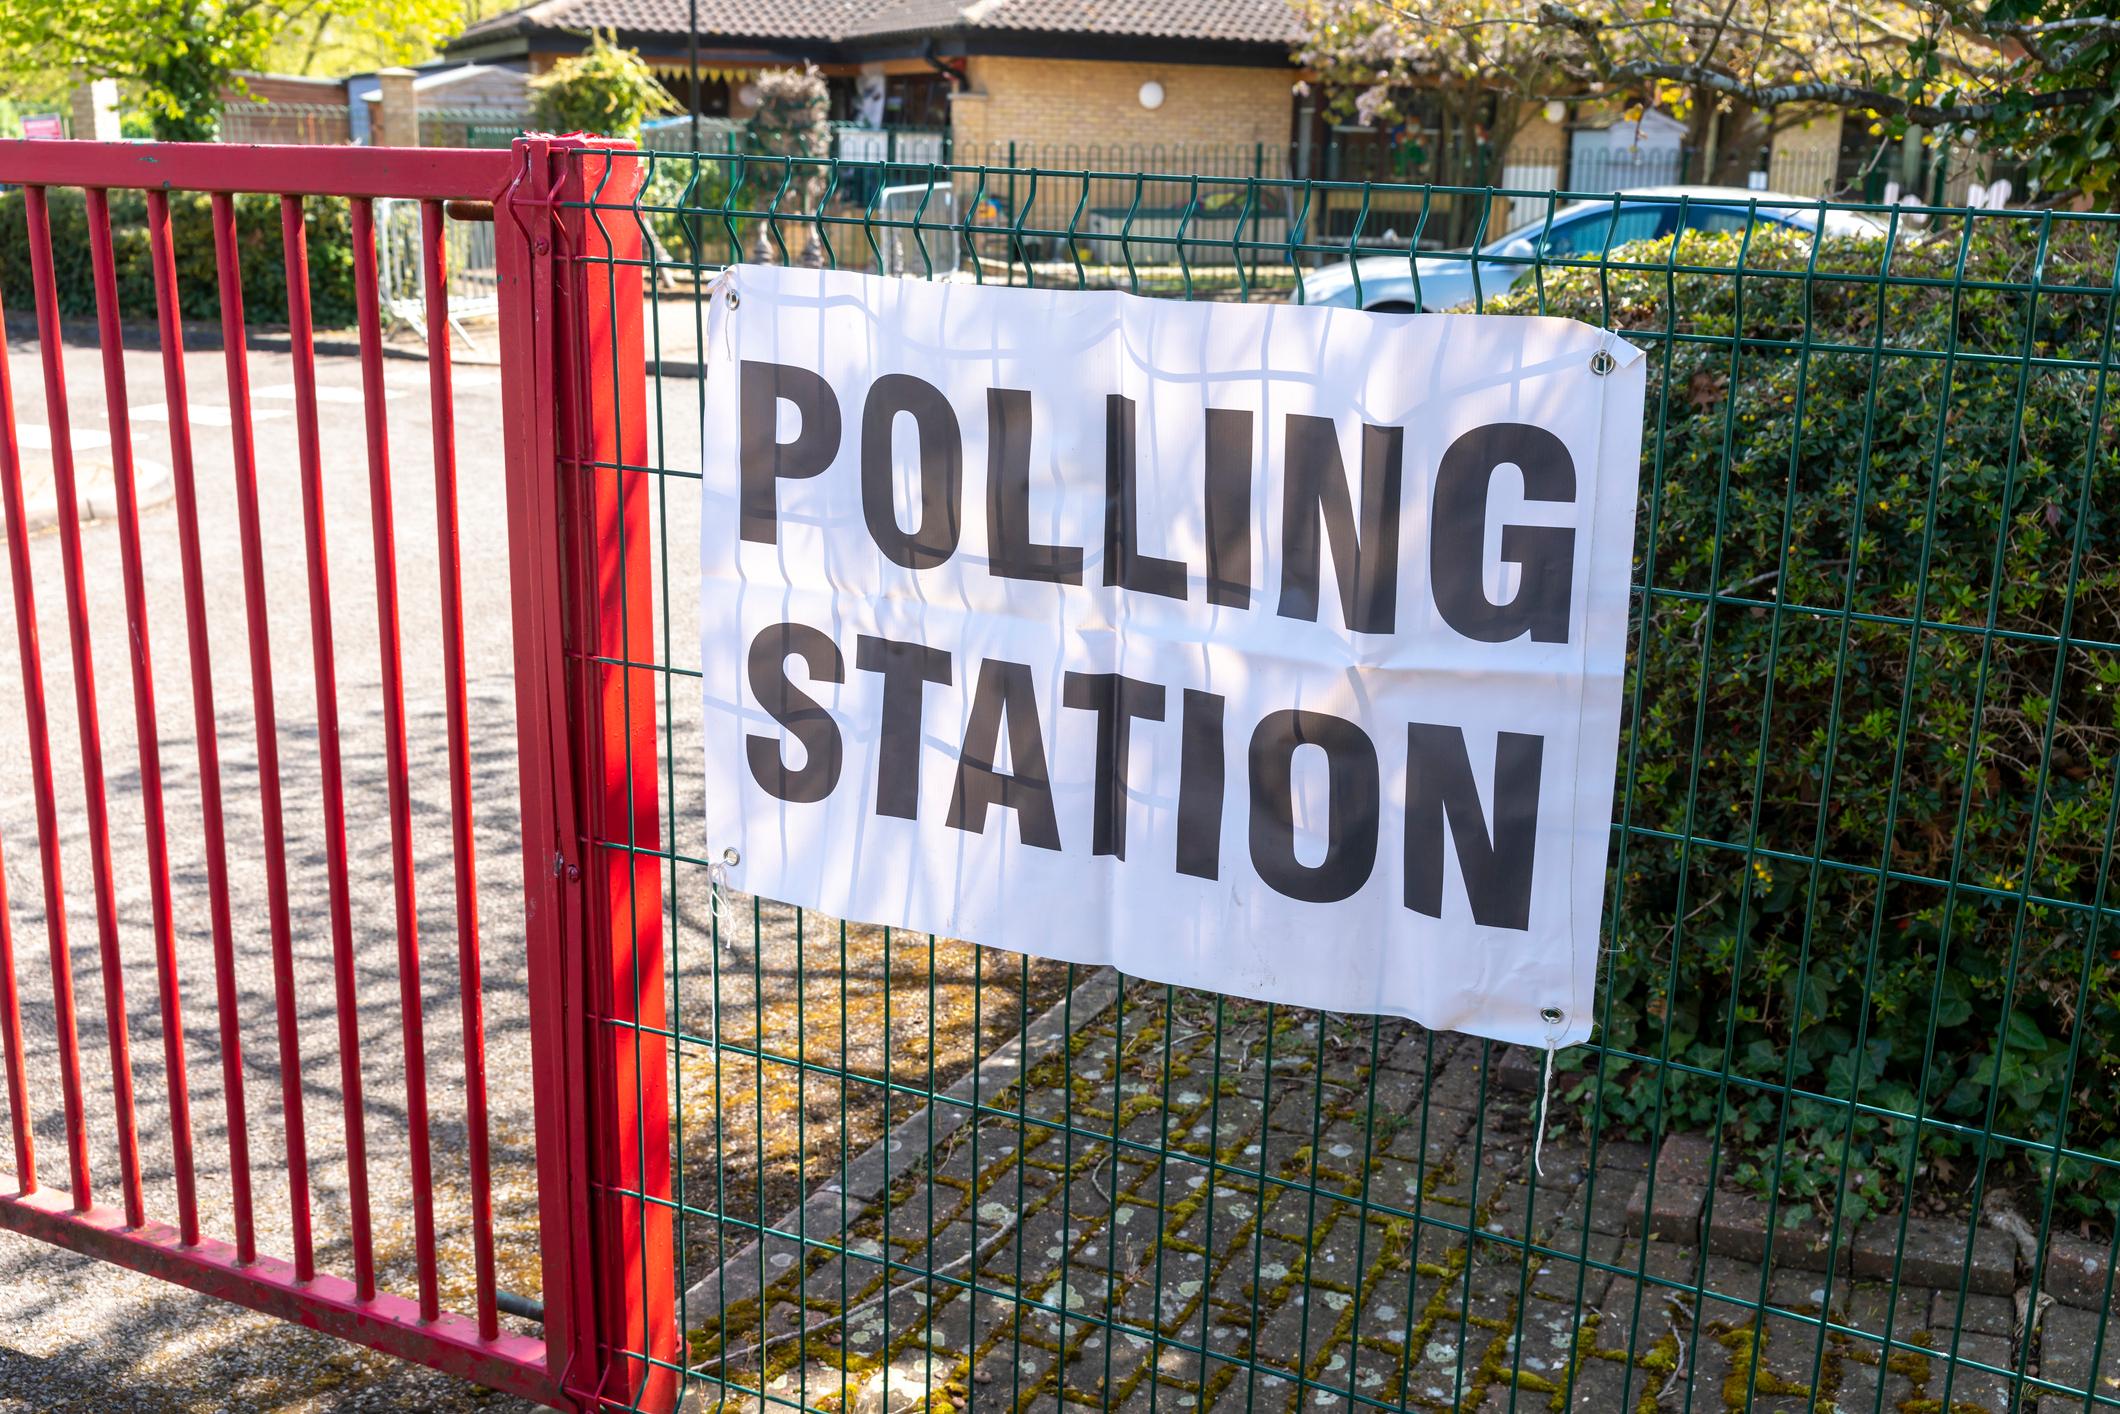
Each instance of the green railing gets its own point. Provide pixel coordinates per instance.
(1845, 1137)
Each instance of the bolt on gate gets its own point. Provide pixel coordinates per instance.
(1839, 1138)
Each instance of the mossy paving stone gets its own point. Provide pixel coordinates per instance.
(1224, 1121)
(1424, 1052)
(941, 1319)
(1299, 1210)
(993, 1158)
(1372, 1371)
(1047, 1228)
(1167, 1301)
(1304, 1332)
(1584, 1275)
(1155, 1394)
(1199, 1259)
(1598, 1386)
(2067, 1338)
(1217, 1327)
(1101, 1361)
(1785, 1355)
(1870, 1302)
(1396, 1183)
(924, 1208)
(1396, 1093)
(1255, 1276)
(1979, 1314)
(1957, 1383)
(1135, 1235)
(1806, 1350)
(1503, 1199)
(1147, 1119)
(1216, 1219)
(1348, 1146)
(1256, 1389)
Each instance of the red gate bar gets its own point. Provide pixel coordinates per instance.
(10, 991)
(176, 398)
(512, 1364)
(36, 721)
(55, 411)
(399, 771)
(442, 173)
(324, 663)
(435, 265)
(228, 270)
(145, 728)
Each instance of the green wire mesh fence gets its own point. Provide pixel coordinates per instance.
(1845, 1137)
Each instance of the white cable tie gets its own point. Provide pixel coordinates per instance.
(1555, 1019)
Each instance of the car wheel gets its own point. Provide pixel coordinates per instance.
(1393, 306)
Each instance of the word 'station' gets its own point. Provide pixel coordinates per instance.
(1270, 650)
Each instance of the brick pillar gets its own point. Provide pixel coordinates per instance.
(397, 118)
(95, 110)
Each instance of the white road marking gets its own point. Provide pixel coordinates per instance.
(459, 377)
(208, 414)
(325, 392)
(37, 436)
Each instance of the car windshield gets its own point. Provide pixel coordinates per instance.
(1578, 229)
(1531, 229)
(1587, 228)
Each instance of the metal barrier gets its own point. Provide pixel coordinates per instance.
(317, 799)
(472, 281)
(1840, 1139)
(1839, 1142)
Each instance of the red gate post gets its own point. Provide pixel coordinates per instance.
(579, 501)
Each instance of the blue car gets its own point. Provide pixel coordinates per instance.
(1582, 230)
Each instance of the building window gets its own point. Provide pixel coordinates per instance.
(916, 101)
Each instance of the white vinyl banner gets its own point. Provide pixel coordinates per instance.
(1264, 649)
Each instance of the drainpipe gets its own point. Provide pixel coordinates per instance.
(954, 69)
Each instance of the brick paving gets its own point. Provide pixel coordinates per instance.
(1184, 1207)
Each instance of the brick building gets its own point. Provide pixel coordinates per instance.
(1119, 85)
(1049, 75)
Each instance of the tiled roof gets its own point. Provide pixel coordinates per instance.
(1263, 21)
(1256, 21)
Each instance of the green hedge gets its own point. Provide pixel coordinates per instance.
(330, 240)
(1961, 755)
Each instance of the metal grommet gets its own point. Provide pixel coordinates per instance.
(1552, 1015)
(730, 857)
(1602, 362)
(733, 301)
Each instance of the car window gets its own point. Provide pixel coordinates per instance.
(1595, 232)
(1716, 220)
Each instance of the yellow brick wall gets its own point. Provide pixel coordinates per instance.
(1540, 142)
(1055, 104)
(1803, 157)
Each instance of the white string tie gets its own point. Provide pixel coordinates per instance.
(1554, 1018)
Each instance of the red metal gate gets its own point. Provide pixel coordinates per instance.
(572, 390)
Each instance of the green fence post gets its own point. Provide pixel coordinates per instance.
(1015, 219)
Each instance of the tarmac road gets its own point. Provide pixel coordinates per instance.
(78, 1335)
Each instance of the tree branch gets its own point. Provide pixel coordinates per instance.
(1842, 94)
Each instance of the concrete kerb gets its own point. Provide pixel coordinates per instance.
(908, 1145)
